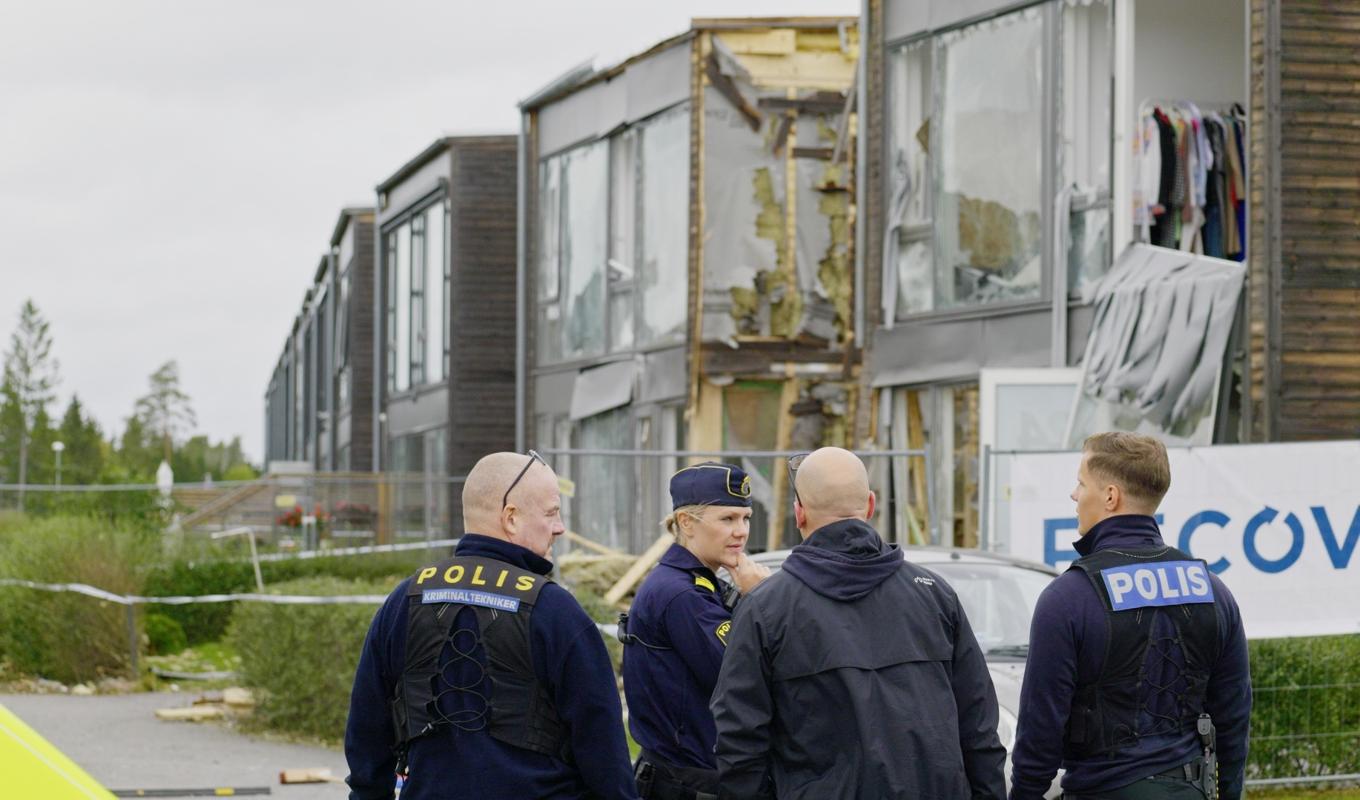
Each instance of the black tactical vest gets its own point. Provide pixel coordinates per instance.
(1139, 586)
(518, 710)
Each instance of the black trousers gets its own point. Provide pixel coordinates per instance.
(1170, 785)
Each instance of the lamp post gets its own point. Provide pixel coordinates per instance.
(57, 447)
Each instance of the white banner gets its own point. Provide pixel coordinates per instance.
(1278, 523)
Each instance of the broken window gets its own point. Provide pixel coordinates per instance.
(1084, 152)
(585, 198)
(622, 238)
(909, 284)
(548, 331)
(603, 507)
(663, 276)
(989, 196)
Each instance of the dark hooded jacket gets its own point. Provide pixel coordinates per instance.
(853, 673)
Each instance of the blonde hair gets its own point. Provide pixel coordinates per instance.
(672, 521)
(1137, 463)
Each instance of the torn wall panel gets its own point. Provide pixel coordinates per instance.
(744, 246)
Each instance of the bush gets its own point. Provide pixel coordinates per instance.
(59, 635)
(200, 622)
(207, 622)
(1306, 714)
(164, 636)
(301, 659)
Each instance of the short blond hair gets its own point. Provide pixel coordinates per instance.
(1137, 463)
(672, 521)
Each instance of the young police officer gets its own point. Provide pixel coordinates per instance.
(1137, 675)
(480, 675)
(677, 629)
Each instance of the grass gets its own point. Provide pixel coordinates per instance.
(1351, 793)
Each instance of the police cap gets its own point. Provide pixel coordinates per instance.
(711, 483)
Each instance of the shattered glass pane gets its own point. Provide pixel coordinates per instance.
(621, 319)
(1088, 249)
(988, 203)
(664, 275)
(909, 129)
(603, 507)
(549, 221)
(913, 278)
(623, 177)
(585, 198)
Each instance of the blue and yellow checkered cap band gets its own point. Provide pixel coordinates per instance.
(711, 483)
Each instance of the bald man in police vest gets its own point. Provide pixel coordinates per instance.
(480, 677)
(1137, 679)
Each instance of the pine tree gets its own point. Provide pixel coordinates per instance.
(165, 410)
(83, 460)
(31, 377)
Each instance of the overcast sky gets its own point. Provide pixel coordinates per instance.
(170, 172)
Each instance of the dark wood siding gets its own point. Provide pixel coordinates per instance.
(1306, 219)
(482, 190)
(361, 346)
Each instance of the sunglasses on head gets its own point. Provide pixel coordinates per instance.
(793, 464)
(533, 456)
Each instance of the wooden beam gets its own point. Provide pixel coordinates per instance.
(639, 568)
(589, 544)
(728, 89)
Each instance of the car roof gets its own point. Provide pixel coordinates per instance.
(928, 554)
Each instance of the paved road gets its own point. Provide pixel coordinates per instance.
(119, 741)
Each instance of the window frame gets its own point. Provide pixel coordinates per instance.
(389, 232)
(630, 285)
(1053, 254)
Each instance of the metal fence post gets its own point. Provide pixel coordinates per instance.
(133, 644)
(932, 517)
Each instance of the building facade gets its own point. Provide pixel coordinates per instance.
(686, 251)
(444, 342)
(1018, 154)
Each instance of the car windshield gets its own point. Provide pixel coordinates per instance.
(999, 600)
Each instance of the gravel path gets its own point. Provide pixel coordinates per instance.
(119, 741)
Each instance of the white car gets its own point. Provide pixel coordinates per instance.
(998, 595)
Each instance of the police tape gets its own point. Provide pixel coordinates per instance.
(254, 597)
(363, 550)
(608, 630)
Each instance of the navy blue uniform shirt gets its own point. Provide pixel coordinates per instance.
(1068, 637)
(569, 659)
(679, 606)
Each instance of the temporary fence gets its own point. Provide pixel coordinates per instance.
(297, 512)
(618, 497)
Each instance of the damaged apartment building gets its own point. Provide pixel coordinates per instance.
(311, 413)
(687, 255)
(1085, 215)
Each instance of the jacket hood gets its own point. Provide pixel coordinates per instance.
(844, 560)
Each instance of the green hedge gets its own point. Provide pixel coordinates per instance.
(1306, 714)
(64, 636)
(207, 622)
(300, 660)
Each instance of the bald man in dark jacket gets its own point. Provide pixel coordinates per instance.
(853, 673)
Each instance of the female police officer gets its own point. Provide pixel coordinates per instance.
(677, 630)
